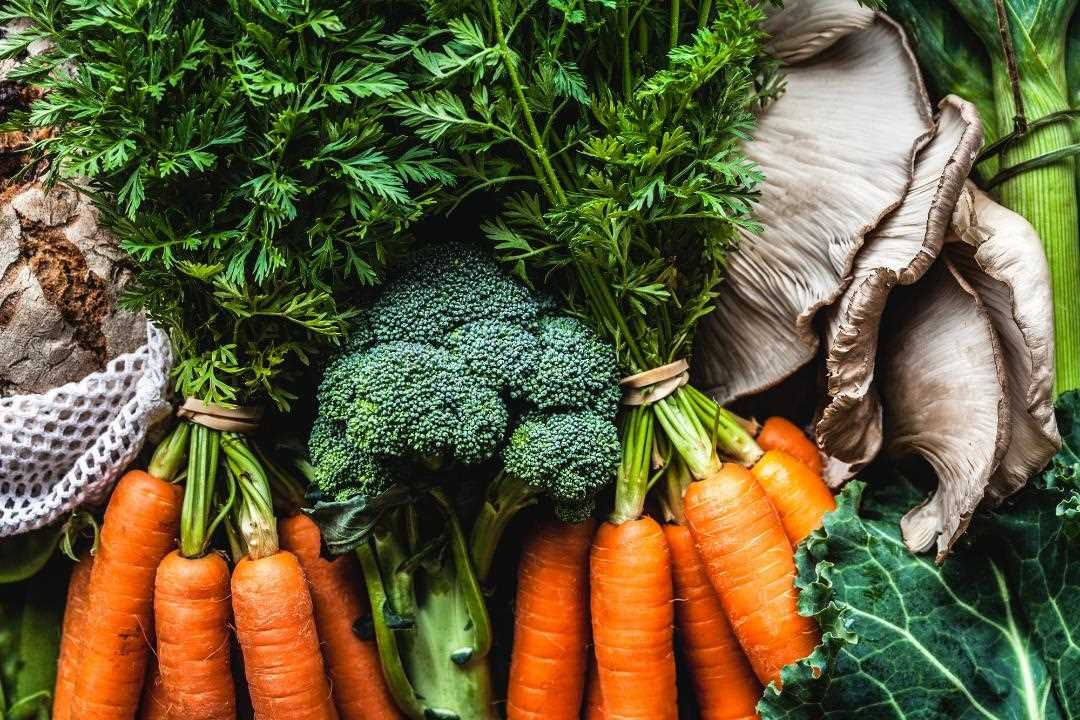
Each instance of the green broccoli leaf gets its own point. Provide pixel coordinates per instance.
(992, 633)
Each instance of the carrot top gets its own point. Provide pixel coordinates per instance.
(254, 527)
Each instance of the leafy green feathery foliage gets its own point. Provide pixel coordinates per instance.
(610, 132)
(988, 634)
(241, 152)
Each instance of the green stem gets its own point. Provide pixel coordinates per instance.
(677, 479)
(673, 30)
(254, 511)
(549, 177)
(287, 491)
(505, 497)
(632, 481)
(688, 437)
(199, 491)
(624, 36)
(171, 453)
(397, 680)
(727, 431)
(1047, 197)
(703, 13)
(474, 595)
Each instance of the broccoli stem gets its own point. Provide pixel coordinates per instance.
(431, 623)
(505, 497)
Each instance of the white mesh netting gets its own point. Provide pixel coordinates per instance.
(64, 448)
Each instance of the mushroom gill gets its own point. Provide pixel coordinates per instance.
(800, 29)
(1001, 256)
(832, 177)
(897, 252)
(942, 380)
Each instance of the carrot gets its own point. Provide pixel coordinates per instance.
(724, 682)
(191, 616)
(276, 626)
(780, 434)
(357, 684)
(155, 703)
(632, 618)
(551, 624)
(76, 614)
(799, 494)
(594, 699)
(140, 528)
(751, 565)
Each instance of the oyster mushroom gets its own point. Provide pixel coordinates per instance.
(832, 177)
(801, 29)
(897, 252)
(943, 386)
(967, 369)
(1002, 257)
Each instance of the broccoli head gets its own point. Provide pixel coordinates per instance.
(445, 287)
(568, 456)
(457, 361)
(575, 369)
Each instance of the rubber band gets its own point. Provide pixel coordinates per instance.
(651, 386)
(218, 417)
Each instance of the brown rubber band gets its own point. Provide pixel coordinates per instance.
(646, 388)
(217, 417)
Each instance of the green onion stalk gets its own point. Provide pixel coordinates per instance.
(1009, 58)
(632, 184)
(429, 613)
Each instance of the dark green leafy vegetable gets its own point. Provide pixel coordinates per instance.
(31, 614)
(990, 634)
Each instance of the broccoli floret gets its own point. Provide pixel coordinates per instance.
(340, 470)
(569, 457)
(575, 370)
(503, 353)
(445, 287)
(419, 401)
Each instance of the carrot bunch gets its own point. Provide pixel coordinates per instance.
(287, 606)
(721, 571)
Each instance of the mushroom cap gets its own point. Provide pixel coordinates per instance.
(943, 385)
(831, 178)
(1001, 255)
(897, 252)
(800, 29)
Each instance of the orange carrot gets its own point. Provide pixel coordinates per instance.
(155, 703)
(191, 616)
(357, 684)
(724, 682)
(551, 624)
(632, 618)
(780, 434)
(76, 614)
(275, 623)
(594, 699)
(751, 565)
(140, 528)
(799, 494)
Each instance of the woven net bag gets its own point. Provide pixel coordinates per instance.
(65, 447)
